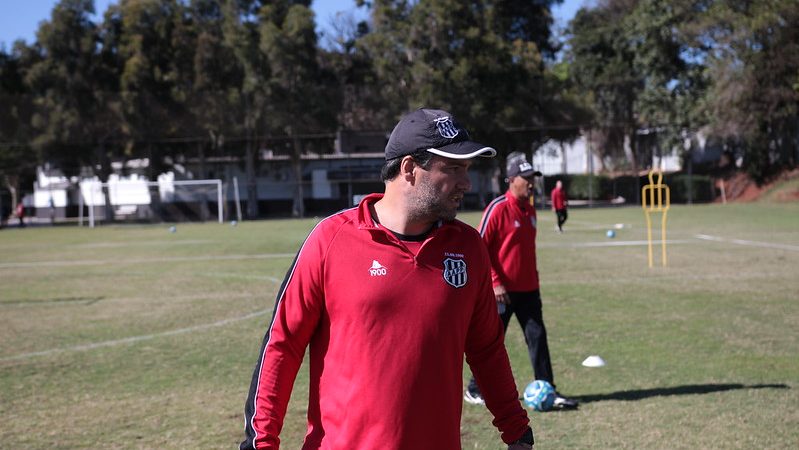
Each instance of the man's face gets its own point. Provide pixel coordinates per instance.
(439, 190)
(522, 187)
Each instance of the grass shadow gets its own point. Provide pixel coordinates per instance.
(691, 389)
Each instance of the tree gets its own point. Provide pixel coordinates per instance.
(241, 33)
(215, 79)
(296, 97)
(69, 82)
(568, 111)
(751, 51)
(360, 103)
(483, 61)
(16, 156)
(73, 82)
(156, 60)
(674, 80)
(676, 67)
(601, 60)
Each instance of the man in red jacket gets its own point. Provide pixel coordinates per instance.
(559, 204)
(508, 228)
(386, 295)
(20, 213)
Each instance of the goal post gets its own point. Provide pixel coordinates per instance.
(138, 200)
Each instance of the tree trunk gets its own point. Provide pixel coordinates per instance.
(105, 174)
(252, 186)
(205, 213)
(12, 183)
(201, 158)
(630, 153)
(298, 208)
(484, 177)
(151, 175)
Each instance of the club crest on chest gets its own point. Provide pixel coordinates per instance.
(455, 272)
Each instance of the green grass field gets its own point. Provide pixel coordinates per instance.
(134, 337)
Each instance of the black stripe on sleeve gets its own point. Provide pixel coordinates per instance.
(249, 407)
(488, 211)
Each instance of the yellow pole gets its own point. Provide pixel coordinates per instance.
(654, 202)
(649, 238)
(663, 236)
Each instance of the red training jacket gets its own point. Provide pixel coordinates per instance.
(559, 198)
(387, 332)
(508, 228)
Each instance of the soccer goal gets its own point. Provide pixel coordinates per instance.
(135, 199)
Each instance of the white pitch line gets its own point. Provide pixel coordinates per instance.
(592, 225)
(133, 339)
(141, 244)
(610, 243)
(89, 301)
(749, 243)
(240, 276)
(98, 262)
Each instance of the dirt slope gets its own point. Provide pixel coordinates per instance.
(741, 188)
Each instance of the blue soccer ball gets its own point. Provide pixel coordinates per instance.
(611, 234)
(539, 395)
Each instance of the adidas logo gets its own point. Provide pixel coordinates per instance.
(377, 270)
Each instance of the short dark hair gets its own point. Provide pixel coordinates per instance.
(392, 166)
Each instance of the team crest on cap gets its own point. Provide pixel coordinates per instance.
(446, 128)
(455, 272)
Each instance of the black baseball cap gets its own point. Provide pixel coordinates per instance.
(517, 166)
(437, 132)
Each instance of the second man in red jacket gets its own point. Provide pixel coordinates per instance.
(508, 228)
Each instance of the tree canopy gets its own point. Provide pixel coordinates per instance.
(159, 79)
(726, 67)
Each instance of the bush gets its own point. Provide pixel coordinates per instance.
(700, 187)
(629, 187)
(578, 187)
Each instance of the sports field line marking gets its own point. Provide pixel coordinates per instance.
(95, 262)
(611, 243)
(240, 276)
(134, 339)
(585, 225)
(707, 237)
(107, 300)
(109, 244)
(663, 278)
(141, 243)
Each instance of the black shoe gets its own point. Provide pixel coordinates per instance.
(562, 402)
(473, 396)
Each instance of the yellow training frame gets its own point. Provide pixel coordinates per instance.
(652, 196)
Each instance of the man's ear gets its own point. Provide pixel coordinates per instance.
(406, 168)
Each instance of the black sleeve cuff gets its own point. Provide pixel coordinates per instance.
(527, 437)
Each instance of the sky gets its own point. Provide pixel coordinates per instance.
(19, 19)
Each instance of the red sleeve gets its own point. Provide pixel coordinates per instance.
(489, 232)
(488, 360)
(297, 312)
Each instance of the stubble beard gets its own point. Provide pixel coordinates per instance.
(427, 204)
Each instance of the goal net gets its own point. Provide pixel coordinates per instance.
(135, 199)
